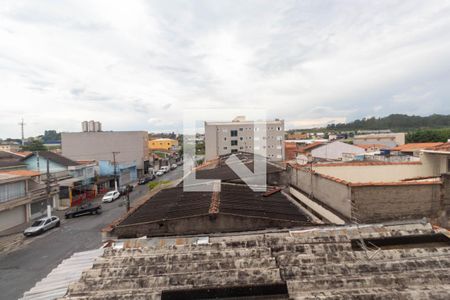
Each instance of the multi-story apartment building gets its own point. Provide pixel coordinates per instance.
(240, 135)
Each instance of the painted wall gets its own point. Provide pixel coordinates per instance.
(32, 164)
(126, 172)
(132, 145)
(333, 194)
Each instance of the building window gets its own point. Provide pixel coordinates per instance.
(241, 138)
(241, 129)
(225, 148)
(225, 139)
(234, 150)
(279, 128)
(233, 132)
(234, 143)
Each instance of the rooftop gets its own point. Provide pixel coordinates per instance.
(409, 261)
(54, 157)
(415, 146)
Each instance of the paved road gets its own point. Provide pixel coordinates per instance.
(21, 269)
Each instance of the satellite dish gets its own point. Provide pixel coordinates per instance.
(302, 159)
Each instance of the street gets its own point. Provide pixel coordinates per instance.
(22, 268)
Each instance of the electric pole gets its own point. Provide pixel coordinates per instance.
(128, 199)
(49, 207)
(115, 170)
(22, 124)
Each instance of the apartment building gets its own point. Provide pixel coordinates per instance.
(240, 135)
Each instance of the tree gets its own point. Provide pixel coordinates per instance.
(35, 145)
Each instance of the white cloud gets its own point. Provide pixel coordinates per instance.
(308, 62)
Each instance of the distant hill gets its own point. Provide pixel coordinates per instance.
(395, 122)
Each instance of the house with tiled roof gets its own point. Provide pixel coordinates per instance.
(413, 149)
(74, 177)
(378, 191)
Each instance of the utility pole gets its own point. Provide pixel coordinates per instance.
(22, 124)
(128, 199)
(115, 170)
(49, 207)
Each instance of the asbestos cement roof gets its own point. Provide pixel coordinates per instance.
(318, 263)
(233, 199)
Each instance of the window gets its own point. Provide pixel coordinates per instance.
(225, 148)
(279, 128)
(225, 139)
(241, 138)
(234, 150)
(233, 132)
(241, 129)
(234, 143)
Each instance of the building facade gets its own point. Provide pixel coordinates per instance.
(23, 198)
(127, 146)
(387, 139)
(163, 144)
(223, 138)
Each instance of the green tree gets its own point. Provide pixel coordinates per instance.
(35, 145)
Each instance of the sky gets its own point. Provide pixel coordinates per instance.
(138, 65)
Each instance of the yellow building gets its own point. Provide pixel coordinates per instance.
(162, 144)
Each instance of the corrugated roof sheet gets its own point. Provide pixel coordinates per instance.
(55, 285)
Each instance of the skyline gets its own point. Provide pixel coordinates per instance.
(137, 67)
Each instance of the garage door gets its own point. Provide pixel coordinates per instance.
(12, 217)
(38, 209)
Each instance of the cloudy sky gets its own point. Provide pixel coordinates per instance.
(136, 65)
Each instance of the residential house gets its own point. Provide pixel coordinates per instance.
(240, 135)
(23, 197)
(11, 147)
(379, 191)
(413, 149)
(124, 172)
(75, 179)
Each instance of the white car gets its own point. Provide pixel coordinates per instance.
(165, 169)
(42, 225)
(111, 196)
(159, 173)
(173, 166)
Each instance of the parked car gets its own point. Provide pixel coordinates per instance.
(111, 196)
(160, 173)
(123, 190)
(146, 179)
(173, 166)
(42, 225)
(165, 169)
(85, 209)
(180, 163)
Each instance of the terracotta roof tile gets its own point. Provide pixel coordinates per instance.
(416, 146)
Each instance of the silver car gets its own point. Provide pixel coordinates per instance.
(42, 225)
